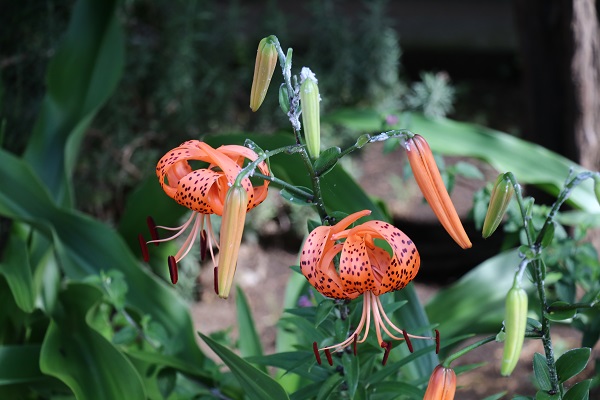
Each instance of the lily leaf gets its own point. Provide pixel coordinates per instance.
(257, 385)
(81, 76)
(70, 343)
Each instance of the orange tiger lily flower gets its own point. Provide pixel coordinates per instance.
(364, 268)
(203, 191)
(442, 384)
(432, 186)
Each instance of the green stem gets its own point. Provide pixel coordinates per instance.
(535, 246)
(281, 184)
(462, 352)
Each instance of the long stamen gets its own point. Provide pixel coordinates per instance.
(180, 230)
(353, 338)
(173, 269)
(408, 343)
(203, 243)
(394, 326)
(388, 348)
(144, 247)
(437, 341)
(328, 355)
(216, 279)
(316, 351)
(187, 245)
(152, 229)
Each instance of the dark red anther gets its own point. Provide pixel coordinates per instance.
(173, 269)
(354, 343)
(203, 246)
(144, 247)
(316, 351)
(328, 355)
(388, 348)
(408, 343)
(437, 341)
(152, 229)
(216, 279)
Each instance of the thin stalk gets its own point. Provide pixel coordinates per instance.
(462, 352)
(281, 184)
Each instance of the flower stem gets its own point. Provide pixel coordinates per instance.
(462, 352)
(536, 262)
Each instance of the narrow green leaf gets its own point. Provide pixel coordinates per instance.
(390, 390)
(579, 391)
(298, 199)
(70, 344)
(544, 395)
(351, 372)
(257, 385)
(496, 396)
(249, 341)
(323, 310)
(16, 268)
(572, 362)
(329, 386)
(542, 374)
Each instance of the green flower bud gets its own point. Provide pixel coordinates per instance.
(515, 322)
(284, 99)
(501, 195)
(266, 60)
(309, 99)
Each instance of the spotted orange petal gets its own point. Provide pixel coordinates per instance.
(355, 266)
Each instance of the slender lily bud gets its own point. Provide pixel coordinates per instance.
(432, 186)
(232, 227)
(266, 60)
(501, 195)
(309, 99)
(442, 384)
(515, 322)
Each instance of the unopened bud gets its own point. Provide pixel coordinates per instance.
(309, 99)
(232, 228)
(442, 384)
(515, 323)
(266, 60)
(501, 195)
(284, 98)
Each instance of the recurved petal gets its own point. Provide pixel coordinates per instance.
(196, 191)
(355, 266)
(430, 182)
(405, 261)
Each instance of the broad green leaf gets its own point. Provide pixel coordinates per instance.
(540, 369)
(249, 341)
(257, 385)
(391, 390)
(70, 344)
(579, 391)
(16, 268)
(544, 395)
(20, 364)
(81, 76)
(327, 160)
(572, 362)
(502, 151)
(85, 247)
(323, 310)
(457, 308)
(561, 315)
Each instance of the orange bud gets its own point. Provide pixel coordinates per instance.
(442, 384)
(266, 60)
(432, 186)
(232, 228)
